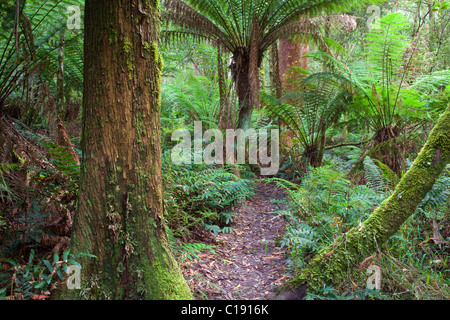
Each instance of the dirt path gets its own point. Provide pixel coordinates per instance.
(248, 263)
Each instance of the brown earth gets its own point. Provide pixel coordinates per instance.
(247, 264)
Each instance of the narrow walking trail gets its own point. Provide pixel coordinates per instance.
(248, 264)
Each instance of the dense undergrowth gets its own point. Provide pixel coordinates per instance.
(413, 263)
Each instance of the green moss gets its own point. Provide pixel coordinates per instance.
(162, 277)
(129, 59)
(141, 130)
(333, 263)
(147, 47)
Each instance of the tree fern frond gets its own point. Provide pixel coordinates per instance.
(374, 176)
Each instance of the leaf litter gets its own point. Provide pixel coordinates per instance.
(247, 264)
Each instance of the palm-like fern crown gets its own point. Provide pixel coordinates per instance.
(234, 24)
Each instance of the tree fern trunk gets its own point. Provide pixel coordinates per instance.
(120, 209)
(248, 77)
(331, 265)
(243, 91)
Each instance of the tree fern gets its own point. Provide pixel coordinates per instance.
(311, 111)
(36, 43)
(374, 176)
(382, 96)
(246, 29)
(186, 250)
(428, 94)
(197, 97)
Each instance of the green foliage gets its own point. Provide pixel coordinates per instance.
(330, 293)
(5, 189)
(322, 207)
(200, 196)
(385, 94)
(22, 281)
(325, 205)
(230, 23)
(64, 163)
(380, 178)
(185, 250)
(34, 228)
(22, 59)
(195, 98)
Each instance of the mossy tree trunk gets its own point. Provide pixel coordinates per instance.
(331, 265)
(120, 210)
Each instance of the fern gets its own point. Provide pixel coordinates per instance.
(301, 236)
(37, 47)
(436, 200)
(201, 195)
(183, 250)
(374, 176)
(312, 110)
(196, 97)
(323, 206)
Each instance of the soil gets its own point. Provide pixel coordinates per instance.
(247, 264)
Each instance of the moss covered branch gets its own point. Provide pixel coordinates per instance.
(332, 264)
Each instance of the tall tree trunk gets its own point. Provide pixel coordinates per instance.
(120, 209)
(245, 106)
(240, 73)
(291, 53)
(290, 56)
(331, 265)
(226, 115)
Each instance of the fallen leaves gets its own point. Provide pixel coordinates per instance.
(247, 264)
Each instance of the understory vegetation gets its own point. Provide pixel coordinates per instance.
(414, 262)
(352, 121)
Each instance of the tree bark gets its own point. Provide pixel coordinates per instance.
(245, 106)
(291, 55)
(226, 115)
(331, 265)
(120, 208)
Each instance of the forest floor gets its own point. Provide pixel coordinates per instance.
(247, 264)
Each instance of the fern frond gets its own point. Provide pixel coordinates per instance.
(374, 176)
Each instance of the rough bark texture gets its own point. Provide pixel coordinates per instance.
(245, 72)
(240, 72)
(332, 264)
(120, 211)
(290, 56)
(226, 115)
